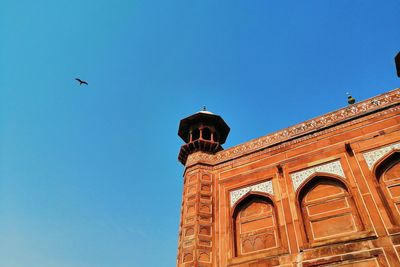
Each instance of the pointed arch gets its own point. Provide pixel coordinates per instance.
(327, 208)
(386, 162)
(206, 133)
(195, 134)
(255, 224)
(387, 174)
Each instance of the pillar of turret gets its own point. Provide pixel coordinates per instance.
(203, 133)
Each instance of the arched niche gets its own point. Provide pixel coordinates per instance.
(255, 224)
(387, 174)
(206, 133)
(327, 208)
(195, 134)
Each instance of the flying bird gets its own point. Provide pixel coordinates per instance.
(81, 82)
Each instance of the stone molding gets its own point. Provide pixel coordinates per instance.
(307, 127)
(333, 167)
(372, 157)
(264, 187)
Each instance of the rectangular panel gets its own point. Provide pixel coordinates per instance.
(191, 209)
(332, 205)
(338, 225)
(192, 178)
(191, 189)
(397, 206)
(205, 197)
(206, 187)
(322, 191)
(257, 224)
(364, 263)
(395, 190)
(258, 242)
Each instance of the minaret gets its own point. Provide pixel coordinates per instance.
(203, 133)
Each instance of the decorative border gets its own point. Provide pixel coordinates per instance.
(199, 157)
(332, 118)
(333, 167)
(372, 157)
(265, 187)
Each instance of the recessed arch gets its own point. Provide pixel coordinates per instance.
(387, 174)
(195, 134)
(249, 195)
(319, 176)
(255, 224)
(327, 208)
(386, 162)
(206, 133)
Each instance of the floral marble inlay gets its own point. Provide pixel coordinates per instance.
(265, 187)
(374, 156)
(332, 167)
(307, 127)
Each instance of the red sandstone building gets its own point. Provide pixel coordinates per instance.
(325, 192)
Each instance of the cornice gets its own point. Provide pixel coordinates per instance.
(351, 112)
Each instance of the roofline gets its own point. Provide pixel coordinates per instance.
(328, 120)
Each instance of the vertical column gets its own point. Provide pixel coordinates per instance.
(195, 237)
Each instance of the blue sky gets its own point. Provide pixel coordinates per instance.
(89, 175)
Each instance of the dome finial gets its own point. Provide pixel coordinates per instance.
(351, 100)
(204, 108)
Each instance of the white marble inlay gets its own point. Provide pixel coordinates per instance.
(265, 187)
(333, 167)
(374, 156)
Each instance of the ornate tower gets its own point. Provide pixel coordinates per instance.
(203, 134)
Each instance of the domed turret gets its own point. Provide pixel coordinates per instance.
(202, 131)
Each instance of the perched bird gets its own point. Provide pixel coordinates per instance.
(351, 100)
(81, 82)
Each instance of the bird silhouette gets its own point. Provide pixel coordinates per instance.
(351, 100)
(81, 82)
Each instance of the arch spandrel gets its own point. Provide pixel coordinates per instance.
(375, 156)
(387, 175)
(333, 168)
(264, 187)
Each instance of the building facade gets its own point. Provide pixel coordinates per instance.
(325, 192)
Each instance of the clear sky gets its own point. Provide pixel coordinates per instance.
(89, 175)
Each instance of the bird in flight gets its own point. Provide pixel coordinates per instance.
(81, 82)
